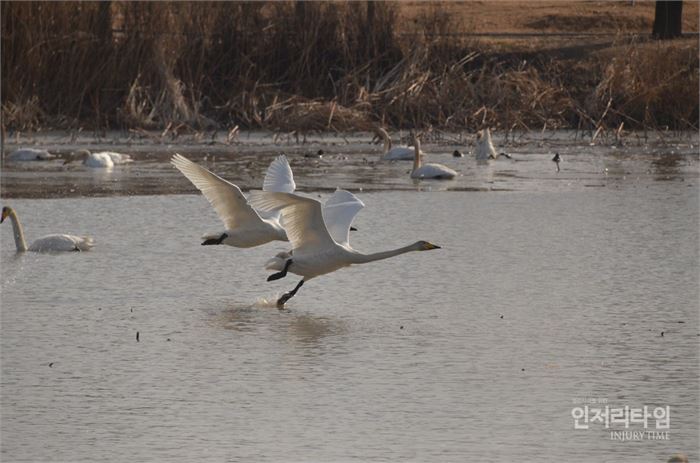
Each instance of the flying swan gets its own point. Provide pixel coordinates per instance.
(245, 226)
(339, 211)
(314, 250)
(428, 171)
(48, 243)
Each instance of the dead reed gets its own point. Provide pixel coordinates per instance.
(297, 66)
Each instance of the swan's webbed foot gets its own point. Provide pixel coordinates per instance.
(211, 241)
(282, 274)
(287, 296)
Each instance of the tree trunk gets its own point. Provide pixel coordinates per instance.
(668, 19)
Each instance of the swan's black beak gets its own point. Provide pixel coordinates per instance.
(5, 213)
(428, 246)
(353, 229)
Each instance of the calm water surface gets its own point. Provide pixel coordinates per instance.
(543, 296)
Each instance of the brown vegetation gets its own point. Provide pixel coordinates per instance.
(325, 66)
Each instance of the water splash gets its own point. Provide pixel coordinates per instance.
(266, 302)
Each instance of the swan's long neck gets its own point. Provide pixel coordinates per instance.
(359, 258)
(387, 140)
(416, 156)
(20, 242)
(489, 144)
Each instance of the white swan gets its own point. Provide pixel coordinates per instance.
(30, 154)
(245, 227)
(103, 159)
(428, 171)
(339, 211)
(96, 160)
(395, 153)
(48, 243)
(484, 147)
(315, 252)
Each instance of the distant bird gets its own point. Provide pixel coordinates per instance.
(314, 250)
(30, 154)
(317, 154)
(557, 160)
(457, 154)
(103, 159)
(484, 149)
(393, 153)
(428, 171)
(484, 146)
(48, 243)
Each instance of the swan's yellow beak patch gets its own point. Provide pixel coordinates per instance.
(429, 246)
(5, 213)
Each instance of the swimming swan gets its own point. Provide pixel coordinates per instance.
(428, 171)
(103, 159)
(396, 153)
(48, 243)
(484, 147)
(30, 154)
(314, 251)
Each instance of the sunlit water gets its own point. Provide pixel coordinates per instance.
(542, 296)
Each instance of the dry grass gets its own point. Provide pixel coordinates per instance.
(296, 66)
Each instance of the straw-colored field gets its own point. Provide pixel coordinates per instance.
(299, 66)
(551, 16)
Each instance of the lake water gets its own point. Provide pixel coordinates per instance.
(550, 292)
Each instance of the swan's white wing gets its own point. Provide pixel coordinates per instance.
(279, 177)
(302, 219)
(99, 160)
(61, 243)
(338, 213)
(226, 198)
(118, 158)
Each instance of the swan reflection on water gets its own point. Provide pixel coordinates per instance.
(264, 315)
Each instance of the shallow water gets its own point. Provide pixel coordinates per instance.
(543, 295)
(351, 162)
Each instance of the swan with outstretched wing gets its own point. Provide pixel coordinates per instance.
(315, 251)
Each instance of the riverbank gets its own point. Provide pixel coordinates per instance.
(286, 67)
